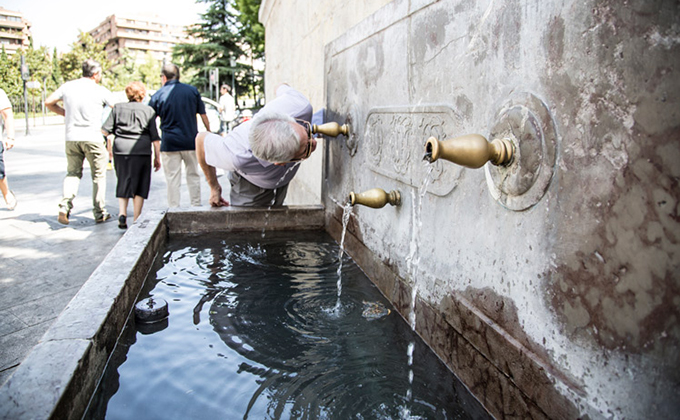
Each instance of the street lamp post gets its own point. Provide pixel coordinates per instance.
(25, 75)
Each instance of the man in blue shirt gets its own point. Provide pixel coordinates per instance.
(177, 105)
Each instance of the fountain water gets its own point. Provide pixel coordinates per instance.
(264, 228)
(279, 357)
(412, 263)
(346, 213)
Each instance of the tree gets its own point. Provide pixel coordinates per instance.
(71, 63)
(149, 71)
(251, 29)
(10, 75)
(40, 65)
(57, 78)
(123, 72)
(252, 33)
(40, 69)
(219, 39)
(229, 30)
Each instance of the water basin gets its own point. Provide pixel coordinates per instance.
(254, 332)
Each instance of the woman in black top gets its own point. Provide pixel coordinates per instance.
(133, 125)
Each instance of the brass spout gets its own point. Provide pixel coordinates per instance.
(331, 129)
(471, 151)
(375, 198)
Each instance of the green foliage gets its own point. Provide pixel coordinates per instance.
(122, 73)
(39, 63)
(218, 38)
(252, 30)
(149, 73)
(57, 78)
(228, 31)
(85, 47)
(128, 70)
(10, 75)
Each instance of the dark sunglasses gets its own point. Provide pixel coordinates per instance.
(308, 149)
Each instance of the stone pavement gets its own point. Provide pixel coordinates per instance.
(43, 263)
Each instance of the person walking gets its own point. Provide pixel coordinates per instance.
(177, 105)
(227, 109)
(6, 143)
(131, 129)
(83, 102)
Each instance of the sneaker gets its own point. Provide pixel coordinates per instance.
(11, 200)
(122, 221)
(63, 218)
(103, 218)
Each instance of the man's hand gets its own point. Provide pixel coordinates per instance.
(216, 199)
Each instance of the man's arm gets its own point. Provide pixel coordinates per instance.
(206, 123)
(157, 155)
(52, 104)
(8, 116)
(216, 199)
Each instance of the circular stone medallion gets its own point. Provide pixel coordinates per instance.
(527, 123)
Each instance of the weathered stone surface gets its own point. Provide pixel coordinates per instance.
(563, 276)
(242, 218)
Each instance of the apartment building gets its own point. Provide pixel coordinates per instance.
(15, 31)
(140, 34)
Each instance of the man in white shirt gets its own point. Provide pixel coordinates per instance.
(83, 103)
(227, 109)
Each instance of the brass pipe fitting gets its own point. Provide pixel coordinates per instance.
(375, 198)
(471, 151)
(331, 129)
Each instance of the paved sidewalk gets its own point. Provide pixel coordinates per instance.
(43, 263)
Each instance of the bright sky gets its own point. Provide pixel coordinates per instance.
(56, 23)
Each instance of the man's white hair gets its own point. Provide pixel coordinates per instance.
(272, 137)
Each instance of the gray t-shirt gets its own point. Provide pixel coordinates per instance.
(84, 101)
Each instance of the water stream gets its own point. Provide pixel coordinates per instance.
(266, 215)
(346, 213)
(412, 264)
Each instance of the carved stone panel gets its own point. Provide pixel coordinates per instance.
(394, 141)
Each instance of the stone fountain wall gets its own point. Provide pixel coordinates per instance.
(552, 286)
(296, 32)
